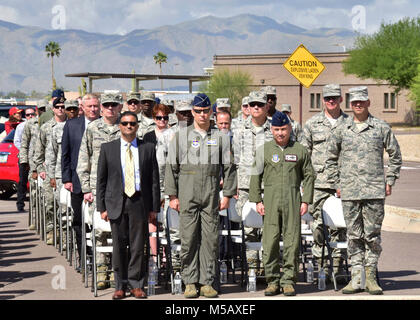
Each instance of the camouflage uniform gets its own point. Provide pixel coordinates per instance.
(40, 157)
(96, 133)
(145, 124)
(53, 156)
(26, 155)
(296, 133)
(246, 140)
(360, 179)
(316, 135)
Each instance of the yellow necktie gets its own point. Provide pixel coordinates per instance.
(130, 188)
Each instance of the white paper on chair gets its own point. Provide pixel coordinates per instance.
(86, 215)
(65, 197)
(101, 224)
(333, 213)
(250, 216)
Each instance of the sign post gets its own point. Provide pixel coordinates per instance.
(305, 67)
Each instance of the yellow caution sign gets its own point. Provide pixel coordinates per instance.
(304, 66)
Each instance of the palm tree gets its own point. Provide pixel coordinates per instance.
(160, 58)
(52, 49)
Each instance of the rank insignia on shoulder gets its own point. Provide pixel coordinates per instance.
(290, 158)
(275, 158)
(195, 144)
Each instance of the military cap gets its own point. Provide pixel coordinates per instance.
(145, 95)
(58, 100)
(111, 98)
(71, 104)
(269, 90)
(201, 100)
(223, 103)
(359, 93)
(167, 102)
(157, 100)
(42, 103)
(133, 96)
(331, 90)
(286, 107)
(245, 100)
(279, 119)
(58, 93)
(257, 96)
(184, 105)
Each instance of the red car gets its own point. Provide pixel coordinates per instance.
(9, 168)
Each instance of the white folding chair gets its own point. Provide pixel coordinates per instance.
(333, 218)
(86, 260)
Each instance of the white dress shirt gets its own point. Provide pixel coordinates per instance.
(17, 140)
(135, 152)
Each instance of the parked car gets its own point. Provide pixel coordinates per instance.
(9, 167)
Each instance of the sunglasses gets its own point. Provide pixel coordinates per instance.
(110, 104)
(257, 104)
(31, 114)
(73, 109)
(331, 98)
(199, 111)
(59, 107)
(184, 113)
(133, 102)
(126, 123)
(166, 118)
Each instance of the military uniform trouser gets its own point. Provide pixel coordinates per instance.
(49, 203)
(281, 221)
(251, 234)
(364, 222)
(199, 231)
(32, 204)
(315, 209)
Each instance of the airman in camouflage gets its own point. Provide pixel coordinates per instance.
(358, 145)
(316, 133)
(243, 114)
(255, 131)
(271, 92)
(146, 122)
(296, 127)
(99, 131)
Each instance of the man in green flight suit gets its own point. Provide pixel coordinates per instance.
(283, 165)
(192, 181)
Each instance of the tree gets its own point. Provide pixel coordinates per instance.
(228, 84)
(415, 93)
(387, 55)
(52, 49)
(160, 58)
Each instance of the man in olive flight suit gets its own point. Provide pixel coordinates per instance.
(197, 155)
(282, 165)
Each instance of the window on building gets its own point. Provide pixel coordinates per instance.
(347, 101)
(315, 101)
(390, 101)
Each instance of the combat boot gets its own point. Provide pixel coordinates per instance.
(272, 290)
(101, 277)
(354, 284)
(208, 291)
(289, 290)
(190, 291)
(371, 283)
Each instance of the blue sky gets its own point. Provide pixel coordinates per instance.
(123, 16)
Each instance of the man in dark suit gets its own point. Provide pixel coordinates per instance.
(128, 195)
(70, 145)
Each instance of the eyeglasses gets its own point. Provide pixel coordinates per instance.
(133, 102)
(184, 113)
(59, 107)
(199, 111)
(257, 104)
(110, 104)
(166, 118)
(72, 109)
(126, 123)
(31, 114)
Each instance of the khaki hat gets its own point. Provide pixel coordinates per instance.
(223, 103)
(167, 102)
(71, 104)
(133, 96)
(331, 90)
(245, 100)
(145, 95)
(184, 105)
(111, 98)
(42, 103)
(359, 93)
(286, 107)
(257, 96)
(269, 90)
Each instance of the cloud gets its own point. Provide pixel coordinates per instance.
(9, 14)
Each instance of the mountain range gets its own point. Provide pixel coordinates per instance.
(190, 47)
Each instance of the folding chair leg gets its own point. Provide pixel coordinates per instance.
(60, 214)
(55, 224)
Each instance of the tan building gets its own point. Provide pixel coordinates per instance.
(267, 69)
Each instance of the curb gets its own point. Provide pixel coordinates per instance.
(398, 219)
